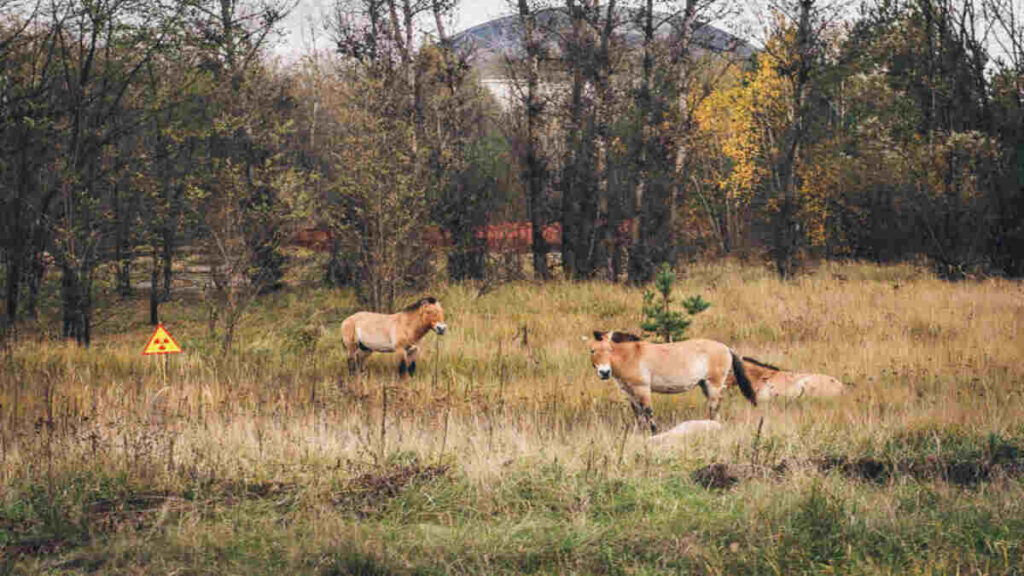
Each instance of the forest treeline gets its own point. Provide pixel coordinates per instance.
(136, 133)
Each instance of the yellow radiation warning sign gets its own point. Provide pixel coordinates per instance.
(161, 342)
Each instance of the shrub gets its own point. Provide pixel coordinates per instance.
(659, 318)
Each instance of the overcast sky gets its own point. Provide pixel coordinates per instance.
(310, 13)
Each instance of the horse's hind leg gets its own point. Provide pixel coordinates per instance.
(357, 361)
(714, 394)
(353, 364)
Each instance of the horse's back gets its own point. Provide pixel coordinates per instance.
(710, 354)
(679, 366)
(687, 348)
(797, 385)
(704, 345)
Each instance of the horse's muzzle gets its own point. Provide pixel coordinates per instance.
(440, 327)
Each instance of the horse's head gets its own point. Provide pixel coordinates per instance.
(602, 350)
(431, 314)
(601, 354)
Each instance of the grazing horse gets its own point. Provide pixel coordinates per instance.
(643, 367)
(772, 382)
(367, 332)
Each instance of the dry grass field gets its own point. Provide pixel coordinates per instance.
(506, 454)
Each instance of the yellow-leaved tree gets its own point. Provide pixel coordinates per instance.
(752, 122)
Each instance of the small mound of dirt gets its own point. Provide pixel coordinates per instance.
(864, 468)
(961, 471)
(368, 493)
(390, 483)
(230, 491)
(717, 476)
(723, 476)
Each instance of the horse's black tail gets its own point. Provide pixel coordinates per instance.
(741, 378)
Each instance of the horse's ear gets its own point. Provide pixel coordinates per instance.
(598, 335)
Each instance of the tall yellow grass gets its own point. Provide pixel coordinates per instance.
(918, 354)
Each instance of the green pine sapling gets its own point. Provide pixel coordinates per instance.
(659, 318)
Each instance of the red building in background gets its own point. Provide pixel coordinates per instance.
(502, 238)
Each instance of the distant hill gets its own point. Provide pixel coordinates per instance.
(492, 41)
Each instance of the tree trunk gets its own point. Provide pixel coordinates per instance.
(402, 36)
(36, 271)
(168, 255)
(464, 214)
(122, 246)
(641, 269)
(573, 142)
(679, 168)
(785, 231)
(602, 115)
(576, 224)
(15, 230)
(154, 292)
(13, 284)
(76, 304)
(534, 168)
(11, 221)
(414, 74)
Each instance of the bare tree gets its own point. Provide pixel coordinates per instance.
(591, 47)
(534, 168)
(100, 49)
(800, 61)
(686, 18)
(27, 73)
(603, 70)
(641, 269)
(1005, 19)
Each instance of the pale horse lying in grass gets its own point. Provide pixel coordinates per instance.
(687, 428)
(643, 367)
(364, 333)
(773, 382)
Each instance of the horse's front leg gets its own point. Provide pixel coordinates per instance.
(649, 413)
(640, 398)
(408, 362)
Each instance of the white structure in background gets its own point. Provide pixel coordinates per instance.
(494, 44)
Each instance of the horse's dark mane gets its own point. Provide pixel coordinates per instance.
(757, 362)
(420, 303)
(619, 337)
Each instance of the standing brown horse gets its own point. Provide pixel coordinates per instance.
(367, 332)
(642, 367)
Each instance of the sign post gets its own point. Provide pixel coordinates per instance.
(161, 343)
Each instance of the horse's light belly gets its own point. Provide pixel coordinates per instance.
(672, 385)
(378, 340)
(671, 380)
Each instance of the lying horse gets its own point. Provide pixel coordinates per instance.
(772, 382)
(364, 333)
(642, 367)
